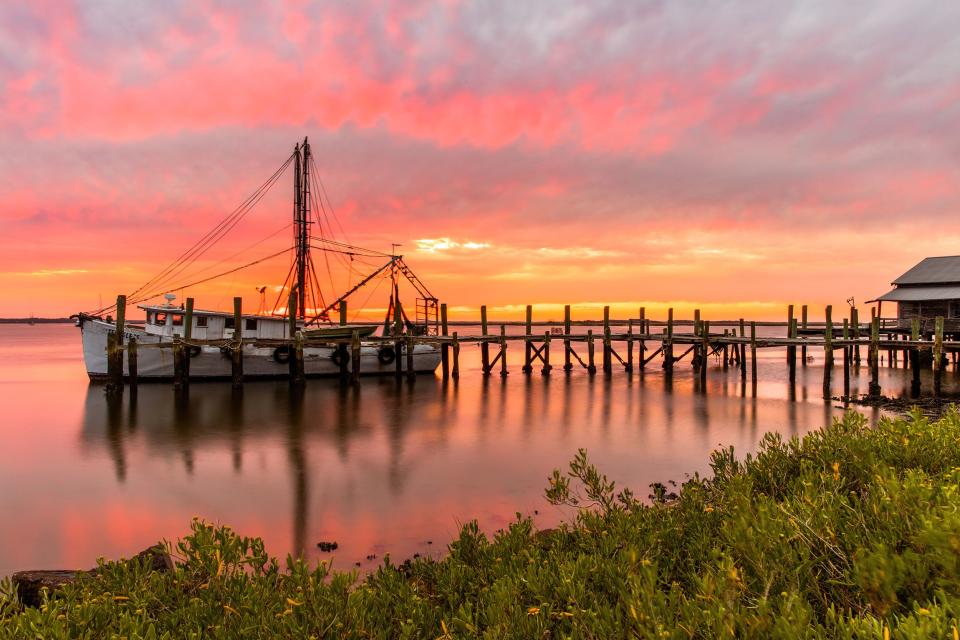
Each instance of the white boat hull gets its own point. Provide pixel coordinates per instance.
(258, 362)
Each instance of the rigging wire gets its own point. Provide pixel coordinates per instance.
(242, 251)
(215, 234)
(214, 277)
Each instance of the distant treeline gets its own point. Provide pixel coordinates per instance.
(36, 321)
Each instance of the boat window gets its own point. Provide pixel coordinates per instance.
(201, 321)
(178, 320)
(228, 323)
(251, 324)
(150, 317)
(161, 319)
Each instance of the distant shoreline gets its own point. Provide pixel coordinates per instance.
(36, 321)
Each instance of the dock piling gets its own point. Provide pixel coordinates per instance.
(591, 367)
(187, 337)
(704, 351)
(411, 372)
(132, 368)
(938, 359)
(827, 352)
(874, 357)
(607, 348)
(503, 352)
(484, 346)
(527, 344)
(445, 348)
(915, 359)
(456, 356)
(803, 325)
(236, 352)
(354, 356)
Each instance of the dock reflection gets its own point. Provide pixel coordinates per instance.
(389, 454)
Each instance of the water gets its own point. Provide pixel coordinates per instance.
(383, 468)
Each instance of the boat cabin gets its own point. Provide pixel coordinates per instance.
(168, 320)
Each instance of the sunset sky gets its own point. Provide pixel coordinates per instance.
(736, 156)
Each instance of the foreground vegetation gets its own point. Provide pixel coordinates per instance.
(851, 532)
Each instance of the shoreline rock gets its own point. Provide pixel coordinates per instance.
(30, 584)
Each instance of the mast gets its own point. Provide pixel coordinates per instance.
(301, 223)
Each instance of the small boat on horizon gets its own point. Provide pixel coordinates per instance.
(266, 336)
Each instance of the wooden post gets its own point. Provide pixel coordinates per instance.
(629, 366)
(704, 351)
(855, 322)
(803, 324)
(297, 373)
(187, 336)
(503, 352)
(132, 370)
(874, 357)
(445, 348)
(915, 358)
(343, 354)
(456, 356)
(484, 346)
(114, 373)
(699, 356)
(398, 338)
(743, 353)
(115, 348)
(827, 352)
(236, 352)
(726, 350)
(355, 357)
(644, 334)
(753, 355)
(791, 349)
(591, 368)
(178, 365)
(670, 323)
(667, 349)
(292, 314)
(937, 356)
(846, 361)
(607, 358)
(411, 372)
(546, 354)
(567, 364)
(293, 364)
(527, 346)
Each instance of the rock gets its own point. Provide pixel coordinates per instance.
(30, 584)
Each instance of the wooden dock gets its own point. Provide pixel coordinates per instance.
(628, 345)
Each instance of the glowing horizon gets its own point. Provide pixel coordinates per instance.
(732, 158)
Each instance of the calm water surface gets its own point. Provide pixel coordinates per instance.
(383, 468)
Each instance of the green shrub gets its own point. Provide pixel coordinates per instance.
(850, 532)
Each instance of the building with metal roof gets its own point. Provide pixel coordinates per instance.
(929, 289)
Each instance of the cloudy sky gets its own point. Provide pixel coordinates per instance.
(736, 156)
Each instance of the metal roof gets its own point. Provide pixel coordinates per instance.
(921, 294)
(938, 270)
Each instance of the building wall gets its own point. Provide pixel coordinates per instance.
(928, 309)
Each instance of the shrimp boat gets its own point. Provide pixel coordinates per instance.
(208, 335)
